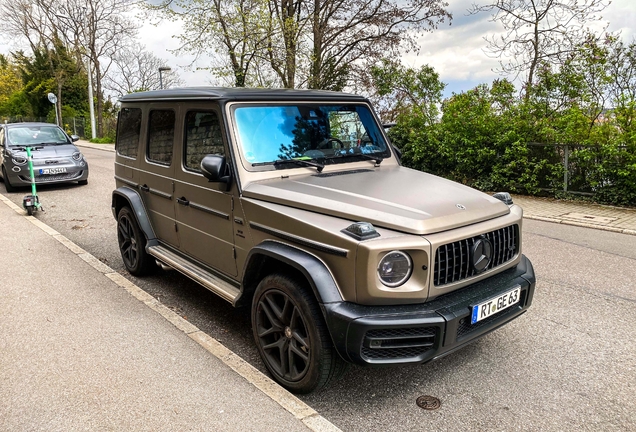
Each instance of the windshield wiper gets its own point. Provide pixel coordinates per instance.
(377, 159)
(301, 162)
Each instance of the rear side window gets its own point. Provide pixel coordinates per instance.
(128, 128)
(161, 136)
(203, 137)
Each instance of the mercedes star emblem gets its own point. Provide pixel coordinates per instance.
(481, 254)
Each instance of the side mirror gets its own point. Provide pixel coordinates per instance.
(75, 138)
(216, 170)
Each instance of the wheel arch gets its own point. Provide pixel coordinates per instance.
(125, 196)
(271, 257)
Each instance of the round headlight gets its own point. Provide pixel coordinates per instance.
(77, 156)
(19, 160)
(395, 268)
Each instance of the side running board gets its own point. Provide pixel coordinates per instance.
(215, 284)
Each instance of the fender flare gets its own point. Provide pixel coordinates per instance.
(312, 268)
(134, 201)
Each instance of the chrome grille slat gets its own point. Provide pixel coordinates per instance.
(452, 260)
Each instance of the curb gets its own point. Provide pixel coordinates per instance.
(581, 224)
(300, 410)
(95, 146)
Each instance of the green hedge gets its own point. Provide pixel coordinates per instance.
(491, 140)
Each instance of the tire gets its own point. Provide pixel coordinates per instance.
(29, 210)
(82, 182)
(291, 335)
(7, 183)
(132, 244)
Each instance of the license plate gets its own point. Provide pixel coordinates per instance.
(52, 170)
(496, 304)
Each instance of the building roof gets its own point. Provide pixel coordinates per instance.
(237, 94)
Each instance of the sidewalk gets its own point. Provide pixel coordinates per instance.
(581, 214)
(78, 352)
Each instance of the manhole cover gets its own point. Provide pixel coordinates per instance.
(428, 402)
(589, 218)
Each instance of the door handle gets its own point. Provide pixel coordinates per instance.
(183, 201)
(144, 188)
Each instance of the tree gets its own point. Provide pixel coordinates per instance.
(233, 30)
(398, 90)
(10, 81)
(34, 20)
(38, 80)
(135, 69)
(348, 32)
(319, 44)
(97, 29)
(537, 31)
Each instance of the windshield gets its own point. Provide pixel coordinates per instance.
(327, 133)
(35, 135)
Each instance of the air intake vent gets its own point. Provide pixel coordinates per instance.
(339, 173)
(453, 260)
(399, 343)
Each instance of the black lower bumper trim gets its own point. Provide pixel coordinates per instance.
(373, 335)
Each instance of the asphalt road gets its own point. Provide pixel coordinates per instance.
(567, 364)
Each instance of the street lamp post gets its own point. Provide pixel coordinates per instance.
(91, 108)
(162, 69)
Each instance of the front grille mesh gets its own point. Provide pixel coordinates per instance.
(452, 260)
(393, 353)
(398, 343)
(54, 177)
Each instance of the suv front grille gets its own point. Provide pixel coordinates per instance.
(453, 260)
(398, 343)
(53, 177)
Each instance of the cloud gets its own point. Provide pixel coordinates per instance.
(456, 51)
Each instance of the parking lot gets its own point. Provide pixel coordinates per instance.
(567, 364)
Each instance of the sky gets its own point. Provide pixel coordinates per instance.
(455, 51)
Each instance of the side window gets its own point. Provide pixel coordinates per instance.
(128, 128)
(203, 137)
(161, 136)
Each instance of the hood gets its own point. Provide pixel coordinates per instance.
(396, 198)
(49, 151)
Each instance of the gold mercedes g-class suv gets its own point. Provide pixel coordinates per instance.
(294, 202)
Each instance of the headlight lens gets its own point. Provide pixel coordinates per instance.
(77, 156)
(395, 268)
(19, 160)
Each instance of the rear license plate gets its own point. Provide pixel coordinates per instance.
(496, 304)
(52, 170)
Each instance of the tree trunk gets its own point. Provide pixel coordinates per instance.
(316, 61)
(100, 102)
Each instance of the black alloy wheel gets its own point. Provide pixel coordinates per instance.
(283, 335)
(291, 336)
(132, 244)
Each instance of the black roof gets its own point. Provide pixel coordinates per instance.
(237, 94)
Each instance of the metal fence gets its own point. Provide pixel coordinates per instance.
(576, 162)
(72, 125)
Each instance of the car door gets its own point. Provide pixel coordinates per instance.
(156, 174)
(204, 209)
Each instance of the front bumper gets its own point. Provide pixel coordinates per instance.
(74, 172)
(369, 335)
